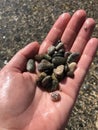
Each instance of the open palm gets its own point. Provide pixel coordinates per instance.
(23, 105)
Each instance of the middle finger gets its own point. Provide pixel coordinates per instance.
(73, 28)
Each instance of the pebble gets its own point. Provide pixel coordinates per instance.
(73, 57)
(41, 76)
(30, 65)
(58, 60)
(55, 96)
(59, 71)
(58, 54)
(47, 57)
(39, 57)
(51, 50)
(62, 51)
(55, 85)
(47, 81)
(59, 46)
(66, 54)
(70, 74)
(45, 65)
(71, 67)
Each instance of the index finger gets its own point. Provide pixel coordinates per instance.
(56, 32)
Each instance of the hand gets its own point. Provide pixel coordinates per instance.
(23, 106)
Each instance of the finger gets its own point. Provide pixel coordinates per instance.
(83, 36)
(73, 85)
(88, 55)
(73, 28)
(86, 60)
(55, 32)
(20, 59)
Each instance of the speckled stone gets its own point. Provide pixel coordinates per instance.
(30, 65)
(58, 60)
(55, 96)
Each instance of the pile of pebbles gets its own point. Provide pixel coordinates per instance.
(53, 67)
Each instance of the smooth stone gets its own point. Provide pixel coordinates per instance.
(48, 71)
(41, 76)
(73, 57)
(46, 82)
(59, 46)
(39, 57)
(62, 51)
(58, 60)
(45, 65)
(72, 66)
(66, 54)
(53, 76)
(55, 85)
(30, 65)
(47, 57)
(70, 74)
(57, 54)
(55, 96)
(59, 71)
(51, 50)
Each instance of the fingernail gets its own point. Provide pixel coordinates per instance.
(63, 15)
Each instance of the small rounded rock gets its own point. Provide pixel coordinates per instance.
(55, 96)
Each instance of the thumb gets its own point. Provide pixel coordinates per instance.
(20, 59)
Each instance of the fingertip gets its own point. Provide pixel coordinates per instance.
(91, 48)
(64, 15)
(30, 50)
(90, 21)
(19, 61)
(62, 21)
(56, 32)
(94, 41)
(80, 13)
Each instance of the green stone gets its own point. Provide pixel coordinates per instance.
(58, 60)
(47, 57)
(45, 65)
(51, 50)
(30, 65)
(47, 81)
(39, 57)
(55, 85)
(73, 57)
(41, 76)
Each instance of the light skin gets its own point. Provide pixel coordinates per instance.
(23, 105)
